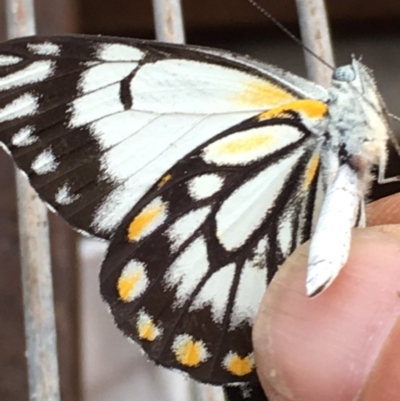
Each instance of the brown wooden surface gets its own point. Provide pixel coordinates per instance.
(13, 372)
(2, 23)
(207, 16)
(56, 16)
(53, 16)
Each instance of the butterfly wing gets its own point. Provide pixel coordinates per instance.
(188, 266)
(95, 121)
(189, 160)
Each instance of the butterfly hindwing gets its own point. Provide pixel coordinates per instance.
(187, 268)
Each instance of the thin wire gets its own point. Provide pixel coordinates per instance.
(288, 32)
(397, 118)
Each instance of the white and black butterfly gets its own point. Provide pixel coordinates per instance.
(204, 170)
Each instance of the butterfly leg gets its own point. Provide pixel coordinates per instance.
(330, 243)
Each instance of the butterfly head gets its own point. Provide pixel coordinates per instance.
(358, 79)
(359, 117)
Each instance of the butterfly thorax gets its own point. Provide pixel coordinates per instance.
(358, 130)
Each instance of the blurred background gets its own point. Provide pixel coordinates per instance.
(96, 362)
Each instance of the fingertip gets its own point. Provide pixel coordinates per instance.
(325, 348)
(384, 211)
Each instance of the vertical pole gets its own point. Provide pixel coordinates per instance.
(315, 35)
(168, 21)
(35, 257)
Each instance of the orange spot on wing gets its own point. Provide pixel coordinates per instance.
(239, 366)
(147, 331)
(164, 180)
(263, 94)
(308, 107)
(143, 220)
(127, 283)
(189, 352)
(311, 171)
(247, 143)
(146, 328)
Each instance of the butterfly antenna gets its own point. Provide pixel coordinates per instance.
(397, 118)
(288, 32)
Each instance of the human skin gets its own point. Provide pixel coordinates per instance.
(344, 344)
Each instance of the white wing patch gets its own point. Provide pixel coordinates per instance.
(65, 197)
(45, 162)
(285, 234)
(247, 207)
(202, 89)
(183, 279)
(141, 147)
(185, 226)
(249, 146)
(95, 105)
(33, 73)
(44, 49)
(251, 289)
(204, 186)
(119, 52)
(6, 60)
(102, 75)
(25, 105)
(117, 128)
(24, 137)
(215, 292)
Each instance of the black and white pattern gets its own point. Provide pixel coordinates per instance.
(204, 169)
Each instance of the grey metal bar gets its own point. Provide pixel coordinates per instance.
(169, 21)
(169, 27)
(37, 283)
(315, 35)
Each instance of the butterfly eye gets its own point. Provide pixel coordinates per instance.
(345, 73)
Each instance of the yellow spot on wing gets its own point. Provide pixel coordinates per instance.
(144, 219)
(164, 180)
(147, 330)
(189, 352)
(263, 94)
(311, 171)
(245, 147)
(239, 366)
(248, 143)
(132, 282)
(127, 284)
(308, 107)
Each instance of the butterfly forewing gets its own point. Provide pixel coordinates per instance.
(95, 121)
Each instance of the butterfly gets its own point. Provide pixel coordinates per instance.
(204, 170)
